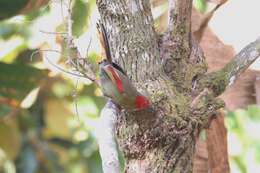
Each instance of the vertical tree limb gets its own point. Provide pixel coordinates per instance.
(130, 23)
(179, 20)
(106, 138)
(179, 23)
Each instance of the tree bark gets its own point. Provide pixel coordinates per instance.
(170, 69)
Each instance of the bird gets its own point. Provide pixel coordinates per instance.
(114, 81)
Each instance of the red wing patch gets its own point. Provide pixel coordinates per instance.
(141, 102)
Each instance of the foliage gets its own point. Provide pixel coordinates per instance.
(39, 127)
(243, 138)
(9, 8)
(201, 5)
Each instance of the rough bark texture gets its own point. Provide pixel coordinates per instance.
(170, 69)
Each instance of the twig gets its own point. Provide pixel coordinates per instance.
(106, 138)
(55, 33)
(56, 66)
(74, 95)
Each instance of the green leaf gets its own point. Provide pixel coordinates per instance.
(93, 163)
(4, 110)
(10, 138)
(231, 121)
(8, 29)
(201, 5)
(17, 80)
(240, 163)
(254, 112)
(87, 106)
(10, 8)
(80, 14)
(257, 151)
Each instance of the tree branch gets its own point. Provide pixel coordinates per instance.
(179, 21)
(219, 80)
(106, 138)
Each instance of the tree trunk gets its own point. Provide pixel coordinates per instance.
(170, 69)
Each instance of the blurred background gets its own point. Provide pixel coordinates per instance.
(48, 116)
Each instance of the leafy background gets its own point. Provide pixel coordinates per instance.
(47, 117)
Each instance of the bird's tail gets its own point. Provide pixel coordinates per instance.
(104, 40)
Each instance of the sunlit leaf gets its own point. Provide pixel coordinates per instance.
(81, 135)
(240, 163)
(89, 91)
(57, 119)
(87, 106)
(80, 14)
(6, 165)
(231, 121)
(201, 5)
(62, 89)
(30, 98)
(10, 139)
(257, 152)
(8, 29)
(10, 49)
(254, 112)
